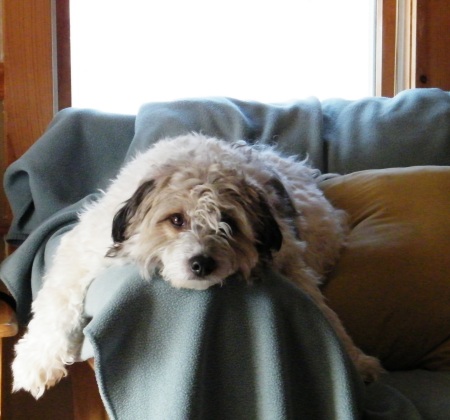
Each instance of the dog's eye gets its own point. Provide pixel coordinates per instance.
(230, 222)
(177, 220)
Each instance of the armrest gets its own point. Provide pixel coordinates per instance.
(8, 320)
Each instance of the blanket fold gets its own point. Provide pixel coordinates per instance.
(231, 352)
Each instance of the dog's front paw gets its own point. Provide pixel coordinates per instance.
(35, 371)
(369, 367)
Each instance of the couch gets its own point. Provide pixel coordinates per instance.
(262, 351)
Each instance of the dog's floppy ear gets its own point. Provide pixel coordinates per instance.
(124, 215)
(284, 205)
(268, 232)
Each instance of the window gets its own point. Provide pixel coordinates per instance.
(123, 55)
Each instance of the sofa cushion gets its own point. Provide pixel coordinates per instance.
(428, 391)
(391, 286)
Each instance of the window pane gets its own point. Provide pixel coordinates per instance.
(125, 54)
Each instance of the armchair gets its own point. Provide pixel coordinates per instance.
(187, 354)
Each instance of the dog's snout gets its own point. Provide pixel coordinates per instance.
(202, 265)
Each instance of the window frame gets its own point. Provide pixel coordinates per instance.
(47, 58)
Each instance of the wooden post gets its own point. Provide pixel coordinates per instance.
(30, 100)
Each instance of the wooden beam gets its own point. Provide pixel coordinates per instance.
(385, 47)
(63, 54)
(2, 82)
(30, 101)
(433, 44)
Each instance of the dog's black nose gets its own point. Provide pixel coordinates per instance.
(202, 265)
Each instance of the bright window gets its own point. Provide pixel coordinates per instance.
(128, 53)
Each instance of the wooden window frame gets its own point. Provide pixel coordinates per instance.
(37, 77)
(386, 15)
(406, 49)
(2, 81)
(37, 69)
(54, 35)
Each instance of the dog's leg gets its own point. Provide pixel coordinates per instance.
(54, 334)
(368, 367)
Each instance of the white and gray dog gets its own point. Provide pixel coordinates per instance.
(199, 210)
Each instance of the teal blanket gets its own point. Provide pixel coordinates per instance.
(232, 352)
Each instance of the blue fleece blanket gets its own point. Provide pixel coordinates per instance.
(229, 352)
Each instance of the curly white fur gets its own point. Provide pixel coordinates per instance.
(201, 210)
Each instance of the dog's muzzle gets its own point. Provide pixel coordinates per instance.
(202, 265)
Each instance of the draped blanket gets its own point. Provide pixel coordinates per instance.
(232, 352)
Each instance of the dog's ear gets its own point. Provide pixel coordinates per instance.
(128, 210)
(284, 204)
(268, 232)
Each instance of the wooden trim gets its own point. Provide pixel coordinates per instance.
(63, 54)
(1, 377)
(422, 77)
(32, 95)
(1, 32)
(405, 45)
(432, 44)
(2, 82)
(413, 41)
(5, 216)
(86, 398)
(385, 47)
(8, 321)
(29, 89)
(8, 328)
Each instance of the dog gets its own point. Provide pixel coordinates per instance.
(198, 210)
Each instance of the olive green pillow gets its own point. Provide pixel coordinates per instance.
(391, 286)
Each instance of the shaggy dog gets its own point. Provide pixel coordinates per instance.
(198, 210)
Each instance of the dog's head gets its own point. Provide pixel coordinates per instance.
(198, 226)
